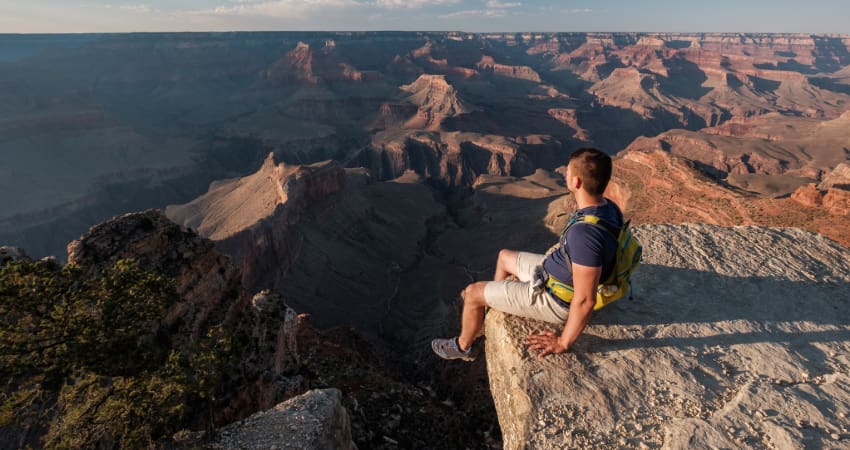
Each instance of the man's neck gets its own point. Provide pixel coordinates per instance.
(584, 200)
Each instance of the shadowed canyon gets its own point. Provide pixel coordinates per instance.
(365, 178)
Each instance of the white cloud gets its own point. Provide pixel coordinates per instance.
(577, 11)
(483, 13)
(274, 8)
(137, 8)
(140, 8)
(500, 4)
(412, 4)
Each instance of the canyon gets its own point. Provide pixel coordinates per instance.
(328, 196)
(93, 126)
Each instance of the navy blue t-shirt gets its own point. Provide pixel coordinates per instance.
(587, 244)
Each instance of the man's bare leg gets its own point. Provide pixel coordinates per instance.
(472, 319)
(505, 265)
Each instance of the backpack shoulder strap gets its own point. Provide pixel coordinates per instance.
(604, 224)
(591, 219)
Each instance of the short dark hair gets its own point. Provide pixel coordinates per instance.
(594, 169)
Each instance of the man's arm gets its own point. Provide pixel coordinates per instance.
(585, 281)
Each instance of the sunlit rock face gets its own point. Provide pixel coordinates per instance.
(716, 346)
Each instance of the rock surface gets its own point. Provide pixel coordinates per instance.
(659, 187)
(251, 217)
(838, 177)
(314, 420)
(736, 338)
(207, 282)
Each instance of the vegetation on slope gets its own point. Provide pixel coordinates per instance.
(86, 363)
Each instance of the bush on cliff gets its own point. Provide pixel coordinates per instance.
(85, 362)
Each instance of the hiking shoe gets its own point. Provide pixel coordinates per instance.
(449, 349)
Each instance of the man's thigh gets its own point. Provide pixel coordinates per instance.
(518, 298)
(525, 264)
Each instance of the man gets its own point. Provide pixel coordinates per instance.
(585, 256)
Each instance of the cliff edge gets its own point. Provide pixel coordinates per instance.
(736, 338)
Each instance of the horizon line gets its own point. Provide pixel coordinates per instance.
(789, 33)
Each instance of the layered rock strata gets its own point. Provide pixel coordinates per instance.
(333, 241)
(251, 217)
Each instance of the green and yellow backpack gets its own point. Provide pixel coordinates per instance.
(626, 260)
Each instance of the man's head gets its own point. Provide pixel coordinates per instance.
(590, 169)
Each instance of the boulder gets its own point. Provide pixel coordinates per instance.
(314, 420)
(837, 201)
(808, 195)
(735, 338)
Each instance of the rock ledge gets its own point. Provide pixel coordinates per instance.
(736, 338)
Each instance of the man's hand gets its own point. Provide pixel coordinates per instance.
(547, 342)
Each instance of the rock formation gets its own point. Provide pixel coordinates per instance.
(304, 65)
(737, 342)
(837, 201)
(260, 208)
(207, 282)
(488, 64)
(313, 420)
(181, 119)
(312, 233)
(839, 177)
(794, 151)
(808, 195)
(281, 354)
(436, 99)
(211, 294)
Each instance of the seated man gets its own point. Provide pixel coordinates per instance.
(586, 255)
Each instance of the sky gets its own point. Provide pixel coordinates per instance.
(89, 16)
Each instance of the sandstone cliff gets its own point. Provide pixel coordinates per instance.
(278, 353)
(736, 338)
(251, 217)
(210, 294)
(437, 100)
(333, 241)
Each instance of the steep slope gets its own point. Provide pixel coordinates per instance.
(437, 100)
(305, 65)
(771, 154)
(311, 232)
(453, 158)
(232, 206)
(657, 187)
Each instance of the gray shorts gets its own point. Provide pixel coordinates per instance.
(518, 297)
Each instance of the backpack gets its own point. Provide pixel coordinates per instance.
(626, 259)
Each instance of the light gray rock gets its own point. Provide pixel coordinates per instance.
(314, 420)
(736, 338)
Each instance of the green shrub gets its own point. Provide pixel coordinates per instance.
(88, 362)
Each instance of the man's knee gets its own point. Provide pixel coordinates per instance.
(473, 295)
(507, 260)
(507, 256)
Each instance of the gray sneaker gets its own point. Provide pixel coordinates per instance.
(448, 349)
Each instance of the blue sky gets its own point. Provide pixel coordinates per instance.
(60, 16)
